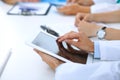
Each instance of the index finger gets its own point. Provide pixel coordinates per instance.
(69, 36)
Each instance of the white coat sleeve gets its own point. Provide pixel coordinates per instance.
(109, 50)
(104, 7)
(104, 1)
(95, 71)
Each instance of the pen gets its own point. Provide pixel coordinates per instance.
(50, 31)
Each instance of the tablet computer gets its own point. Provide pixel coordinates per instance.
(46, 43)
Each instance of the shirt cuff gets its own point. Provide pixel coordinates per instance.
(104, 1)
(96, 50)
(104, 7)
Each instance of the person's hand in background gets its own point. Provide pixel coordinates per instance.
(90, 29)
(73, 9)
(81, 2)
(82, 16)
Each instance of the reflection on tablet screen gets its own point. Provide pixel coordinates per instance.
(46, 42)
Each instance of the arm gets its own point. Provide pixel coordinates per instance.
(94, 71)
(107, 50)
(90, 29)
(108, 17)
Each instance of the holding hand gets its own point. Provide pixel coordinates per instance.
(90, 29)
(51, 61)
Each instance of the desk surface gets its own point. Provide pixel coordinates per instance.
(24, 63)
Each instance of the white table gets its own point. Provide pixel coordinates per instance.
(24, 63)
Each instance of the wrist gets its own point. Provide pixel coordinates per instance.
(96, 17)
(91, 48)
(109, 34)
(101, 33)
(96, 30)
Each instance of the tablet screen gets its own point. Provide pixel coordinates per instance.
(46, 42)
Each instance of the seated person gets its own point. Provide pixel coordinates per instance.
(92, 6)
(106, 50)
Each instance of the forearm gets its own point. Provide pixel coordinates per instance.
(108, 17)
(112, 34)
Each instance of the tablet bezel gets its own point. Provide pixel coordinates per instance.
(29, 43)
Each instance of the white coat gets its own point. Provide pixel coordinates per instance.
(104, 70)
(104, 6)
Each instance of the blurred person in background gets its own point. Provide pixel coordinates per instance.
(89, 6)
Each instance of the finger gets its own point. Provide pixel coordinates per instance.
(77, 20)
(36, 50)
(72, 42)
(39, 52)
(64, 9)
(70, 35)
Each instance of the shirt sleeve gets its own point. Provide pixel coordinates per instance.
(109, 50)
(104, 1)
(104, 7)
(93, 71)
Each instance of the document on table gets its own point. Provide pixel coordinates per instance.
(30, 8)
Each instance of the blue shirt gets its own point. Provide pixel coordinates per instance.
(96, 50)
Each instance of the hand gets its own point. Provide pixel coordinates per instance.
(81, 2)
(51, 61)
(82, 16)
(75, 1)
(73, 9)
(81, 42)
(90, 29)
